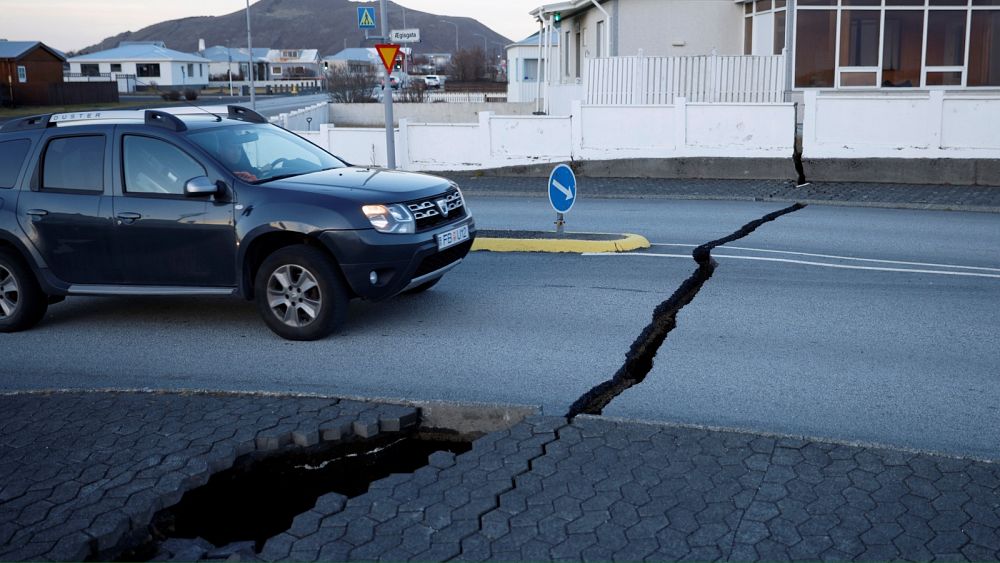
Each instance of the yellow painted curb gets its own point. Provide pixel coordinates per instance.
(627, 243)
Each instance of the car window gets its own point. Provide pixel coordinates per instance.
(12, 155)
(74, 163)
(258, 153)
(153, 166)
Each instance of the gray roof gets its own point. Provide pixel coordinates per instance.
(533, 40)
(16, 49)
(222, 54)
(139, 53)
(354, 54)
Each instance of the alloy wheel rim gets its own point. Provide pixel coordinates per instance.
(9, 293)
(293, 296)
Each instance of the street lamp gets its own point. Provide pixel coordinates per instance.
(253, 87)
(485, 42)
(456, 32)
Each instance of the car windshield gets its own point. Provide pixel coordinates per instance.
(262, 153)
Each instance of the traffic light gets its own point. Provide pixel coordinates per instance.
(557, 20)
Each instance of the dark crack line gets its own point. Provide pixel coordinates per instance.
(513, 486)
(639, 359)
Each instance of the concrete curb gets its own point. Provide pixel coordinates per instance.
(627, 243)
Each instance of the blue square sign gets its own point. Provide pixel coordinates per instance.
(366, 18)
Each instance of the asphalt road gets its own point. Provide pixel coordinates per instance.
(860, 324)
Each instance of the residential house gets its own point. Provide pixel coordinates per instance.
(526, 66)
(354, 61)
(236, 60)
(152, 64)
(294, 64)
(28, 70)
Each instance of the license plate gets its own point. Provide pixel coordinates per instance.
(453, 237)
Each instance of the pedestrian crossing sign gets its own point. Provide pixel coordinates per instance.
(366, 18)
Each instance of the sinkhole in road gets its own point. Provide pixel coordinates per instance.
(639, 359)
(260, 495)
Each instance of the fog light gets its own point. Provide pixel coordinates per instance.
(373, 277)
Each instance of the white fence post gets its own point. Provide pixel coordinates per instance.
(486, 136)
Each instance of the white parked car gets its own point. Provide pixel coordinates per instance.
(433, 81)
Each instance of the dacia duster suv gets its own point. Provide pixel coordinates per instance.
(212, 203)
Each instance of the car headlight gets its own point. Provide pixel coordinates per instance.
(394, 218)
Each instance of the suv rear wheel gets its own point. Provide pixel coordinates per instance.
(22, 302)
(300, 294)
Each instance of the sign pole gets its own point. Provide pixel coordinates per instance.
(560, 223)
(390, 137)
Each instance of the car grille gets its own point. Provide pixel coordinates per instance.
(435, 262)
(428, 214)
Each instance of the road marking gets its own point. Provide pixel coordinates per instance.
(834, 257)
(803, 262)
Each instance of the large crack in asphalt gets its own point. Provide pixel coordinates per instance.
(639, 359)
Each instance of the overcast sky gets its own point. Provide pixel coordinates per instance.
(73, 24)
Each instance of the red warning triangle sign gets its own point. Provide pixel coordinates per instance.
(388, 55)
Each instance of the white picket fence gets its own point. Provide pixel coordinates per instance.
(701, 79)
(304, 119)
(466, 97)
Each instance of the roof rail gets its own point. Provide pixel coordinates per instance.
(165, 120)
(27, 123)
(245, 114)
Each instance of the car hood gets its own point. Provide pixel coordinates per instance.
(372, 185)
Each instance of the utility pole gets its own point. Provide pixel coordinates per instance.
(456, 33)
(390, 136)
(253, 86)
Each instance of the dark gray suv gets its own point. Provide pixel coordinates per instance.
(202, 203)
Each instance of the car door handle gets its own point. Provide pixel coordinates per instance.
(37, 212)
(128, 218)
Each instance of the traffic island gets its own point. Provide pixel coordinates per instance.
(547, 241)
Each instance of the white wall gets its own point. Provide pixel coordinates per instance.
(373, 115)
(934, 124)
(702, 25)
(304, 119)
(588, 133)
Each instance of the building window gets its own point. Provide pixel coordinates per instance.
(22, 74)
(779, 32)
(897, 43)
(190, 70)
(815, 57)
(904, 35)
(566, 54)
(984, 50)
(201, 69)
(748, 35)
(90, 70)
(530, 70)
(578, 55)
(276, 70)
(600, 39)
(116, 67)
(148, 70)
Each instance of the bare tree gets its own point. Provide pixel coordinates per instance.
(468, 65)
(351, 87)
(415, 92)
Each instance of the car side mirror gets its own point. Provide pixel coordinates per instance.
(200, 185)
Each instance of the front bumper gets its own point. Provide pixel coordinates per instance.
(401, 261)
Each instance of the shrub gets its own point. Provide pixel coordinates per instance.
(190, 94)
(171, 95)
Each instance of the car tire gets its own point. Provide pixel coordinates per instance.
(423, 287)
(22, 301)
(300, 294)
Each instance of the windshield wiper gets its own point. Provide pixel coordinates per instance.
(279, 177)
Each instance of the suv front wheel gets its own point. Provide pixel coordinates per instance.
(22, 302)
(300, 294)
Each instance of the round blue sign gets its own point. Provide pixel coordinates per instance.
(562, 188)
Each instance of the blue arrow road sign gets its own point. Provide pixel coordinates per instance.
(562, 188)
(366, 18)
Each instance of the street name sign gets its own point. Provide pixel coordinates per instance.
(366, 17)
(404, 36)
(562, 188)
(388, 55)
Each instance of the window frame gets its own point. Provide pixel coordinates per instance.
(969, 7)
(22, 74)
(150, 195)
(40, 185)
(147, 66)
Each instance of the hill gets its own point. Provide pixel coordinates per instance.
(327, 25)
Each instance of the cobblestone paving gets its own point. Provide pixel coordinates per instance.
(865, 194)
(604, 490)
(80, 471)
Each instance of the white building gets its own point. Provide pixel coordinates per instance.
(356, 60)
(526, 67)
(236, 60)
(294, 64)
(152, 64)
